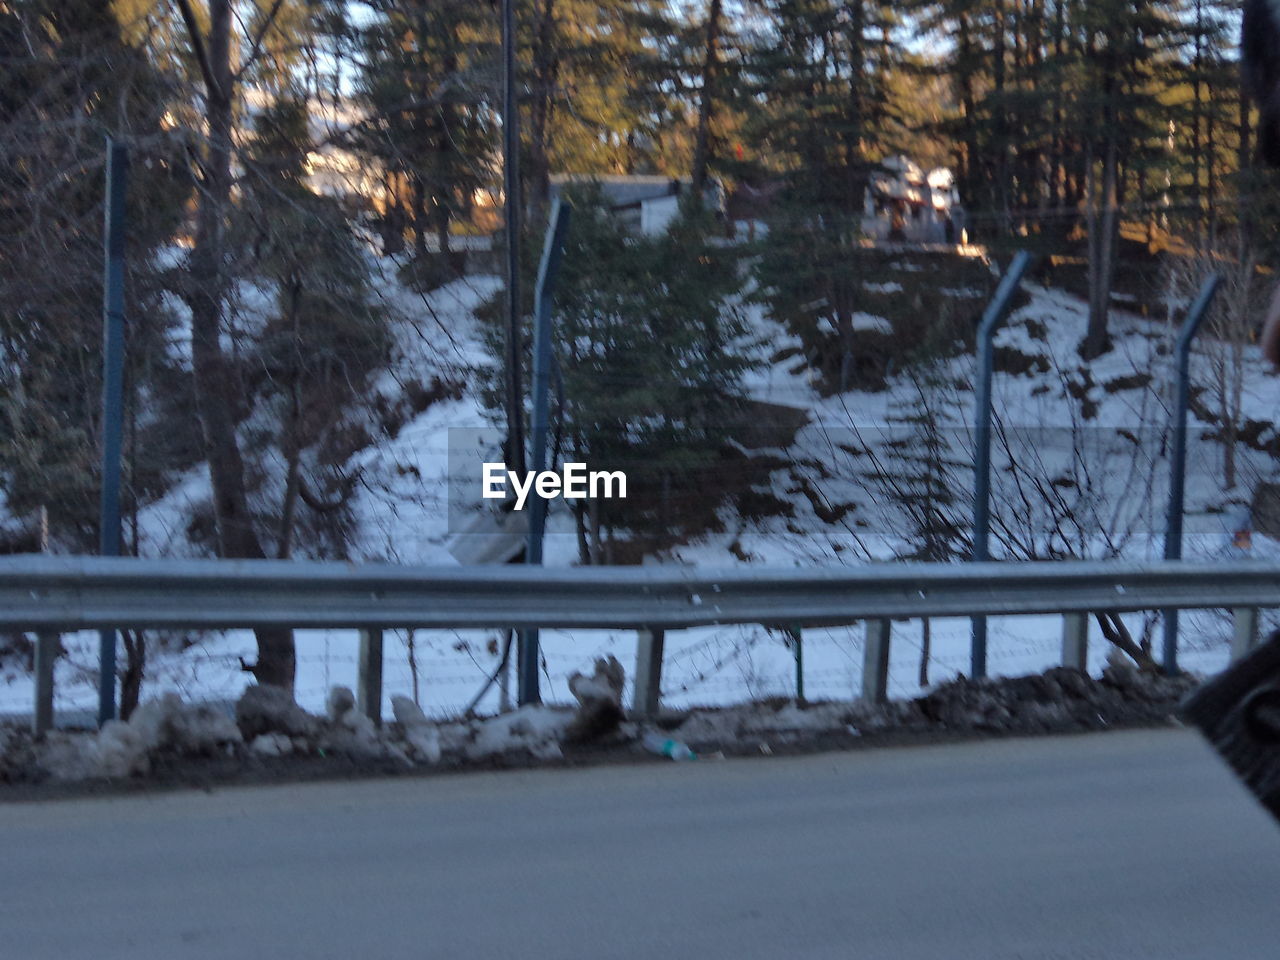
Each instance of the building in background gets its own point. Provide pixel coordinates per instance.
(646, 204)
(906, 205)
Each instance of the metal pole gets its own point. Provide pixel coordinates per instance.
(995, 313)
(46, 655)
(1178, 460)
(511, 191)
(369, 676)
(647, 698)
(112, 401)
(797, 638)
(544, 291)
(548, 271)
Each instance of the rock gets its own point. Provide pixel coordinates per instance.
(264, 708)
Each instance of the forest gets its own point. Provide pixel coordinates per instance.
(293, 160)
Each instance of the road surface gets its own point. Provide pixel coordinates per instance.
(1126, 845)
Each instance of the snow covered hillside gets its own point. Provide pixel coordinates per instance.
(1080, 469)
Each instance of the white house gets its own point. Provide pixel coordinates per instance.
(905, 204)
(647, 204)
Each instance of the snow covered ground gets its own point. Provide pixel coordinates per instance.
(402, 513)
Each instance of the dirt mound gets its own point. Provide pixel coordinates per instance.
(1058, 700)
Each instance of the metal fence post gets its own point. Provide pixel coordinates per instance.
(648, 686)
(875, 661)
(797, 641)
(548, 270)
(1178, 458)
(1075, 641)
(112, 401)
(1244, 631)
(369, 684)
(45, 654)
(995, 313)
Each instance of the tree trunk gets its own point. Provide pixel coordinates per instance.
(135, 665)
(1245, 163)
(545, 75)
(706, 100)
(926, 642)
(1001, 119)
(215, 387)
(1102, 235)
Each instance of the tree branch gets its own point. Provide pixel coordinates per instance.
(202, 55)
(326, 506)
(255, 47)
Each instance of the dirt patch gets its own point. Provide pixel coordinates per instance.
(1009, 360)
(1058, 701)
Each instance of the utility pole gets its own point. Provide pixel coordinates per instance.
(515, 454)
(112, 401)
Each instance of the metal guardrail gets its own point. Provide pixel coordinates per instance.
(63, 593)
(53, 594)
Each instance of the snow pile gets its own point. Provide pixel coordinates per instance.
(536, 729)
(16, 753)
(420, 735)
(275, 745)
(163, 727)
(1056, 700)
(264, 708)
(599, 696)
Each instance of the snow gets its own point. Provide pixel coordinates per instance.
(866, 322)
(402, 515)
(537, 729)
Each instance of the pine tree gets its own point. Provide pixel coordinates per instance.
(820, 70)
(73, 77)
(325, 338)
(651, 346)
(425, 84)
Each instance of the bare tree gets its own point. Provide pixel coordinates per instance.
(206, 295)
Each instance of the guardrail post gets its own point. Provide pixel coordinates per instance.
(1075, 641)
(1244, 631)
(875, 661)
(797, 642)
(1178, 457)
(369, 694)
(648, 692)
(46, 653)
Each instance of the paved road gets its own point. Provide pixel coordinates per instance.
(1126, 845)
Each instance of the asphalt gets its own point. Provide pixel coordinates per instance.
(1125, 845)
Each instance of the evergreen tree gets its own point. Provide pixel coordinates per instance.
(324, 338)
(430, 126)
(72, 79)
(651, 347)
